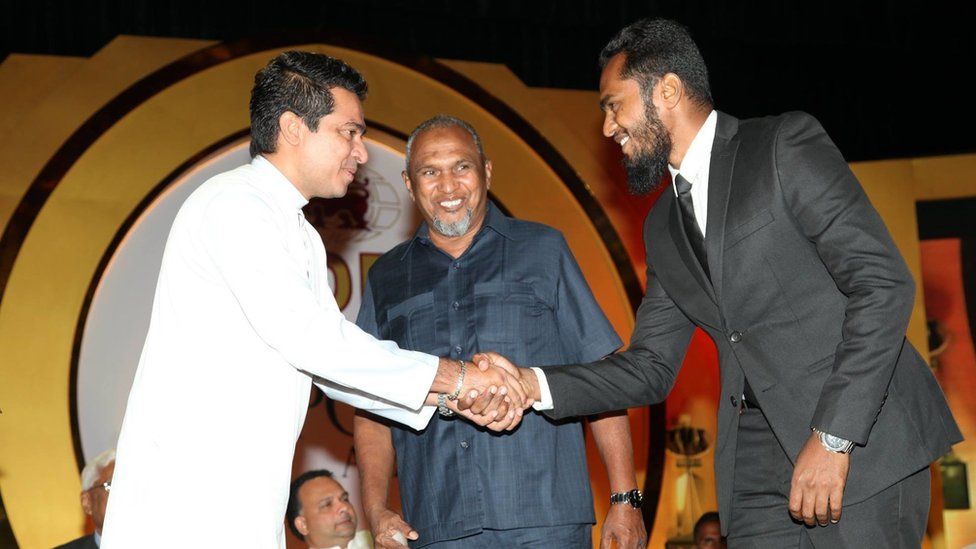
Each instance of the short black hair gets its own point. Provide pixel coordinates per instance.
(710, 516)
(295, 504)
(300, 82)
(655, 47)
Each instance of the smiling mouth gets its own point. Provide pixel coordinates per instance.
(450, 205)
(622, 140)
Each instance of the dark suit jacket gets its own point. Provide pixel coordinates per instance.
(84, 542)
(809, 299)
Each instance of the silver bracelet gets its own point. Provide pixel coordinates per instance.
(457, 390)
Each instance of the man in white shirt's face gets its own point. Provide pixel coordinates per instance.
(322, 162)
(325, 518)
(636, 126)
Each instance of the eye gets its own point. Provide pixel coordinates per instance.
(463, 167)
(427, 173)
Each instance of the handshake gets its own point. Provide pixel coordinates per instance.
(489, 391)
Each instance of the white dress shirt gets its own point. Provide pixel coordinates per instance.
(242, 319)
(694, 168)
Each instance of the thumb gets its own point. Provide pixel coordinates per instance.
(483, 360)
(410, 532)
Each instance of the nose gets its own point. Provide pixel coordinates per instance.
(359, 151)
(609, 124)
(446, 182)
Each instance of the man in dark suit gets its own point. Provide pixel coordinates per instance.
(96, 481)
(768, 243)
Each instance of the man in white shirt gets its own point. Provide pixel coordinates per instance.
(320, 514)
(242, 321)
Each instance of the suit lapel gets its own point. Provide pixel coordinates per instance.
(724, 148)
(668, 250)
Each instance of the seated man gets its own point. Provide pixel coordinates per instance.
(708, 532)
(96, 481)
(319, 513)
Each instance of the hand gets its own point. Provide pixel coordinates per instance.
(385, 524)
(503, 418)
(488, 375)
(625, 525)
(529, 381)
(817, 489)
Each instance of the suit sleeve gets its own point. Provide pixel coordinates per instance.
(643, 374)
(832, 210)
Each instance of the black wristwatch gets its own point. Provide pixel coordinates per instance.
(635, 498)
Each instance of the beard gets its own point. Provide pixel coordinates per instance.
(646, 167)
(453, 230)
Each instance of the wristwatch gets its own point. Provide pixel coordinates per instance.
(635, 498)
(834, 444)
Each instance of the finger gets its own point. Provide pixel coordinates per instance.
(484, 400)
(478, 419)
(515, 388)
(807, 508)
(796, 501)
(820, 507)
(607, 538)
(501, 404)
(506, 423)
(467, 400)
(836, 503)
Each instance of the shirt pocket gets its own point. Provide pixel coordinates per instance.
(410, 323)
(511, 313)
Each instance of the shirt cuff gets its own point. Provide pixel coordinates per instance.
(545, 400)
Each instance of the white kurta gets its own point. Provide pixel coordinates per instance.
(242, 316)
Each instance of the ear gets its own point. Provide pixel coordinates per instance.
(487, 174)
(670, 90)
(86, 502)
(408, 183)
(291, 128)
(302, 525)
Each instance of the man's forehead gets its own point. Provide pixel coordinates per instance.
(445, 141)
(319, 486)
(346, 104)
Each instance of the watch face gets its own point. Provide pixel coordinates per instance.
(636, 498)
(834, 442)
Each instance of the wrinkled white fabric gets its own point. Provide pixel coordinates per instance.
(242, 320)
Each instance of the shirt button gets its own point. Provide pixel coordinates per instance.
(735, 337)
(456, 305)
(457, 349)
(456, 264)
(464, 444)
(734, 401)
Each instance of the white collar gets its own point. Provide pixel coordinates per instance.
(699, 152)
(277, 185)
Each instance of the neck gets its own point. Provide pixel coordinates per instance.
(287, 168)
(684, 131)
(453, 246)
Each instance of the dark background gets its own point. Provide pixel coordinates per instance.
(884, 77)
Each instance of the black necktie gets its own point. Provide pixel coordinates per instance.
(694, 233)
